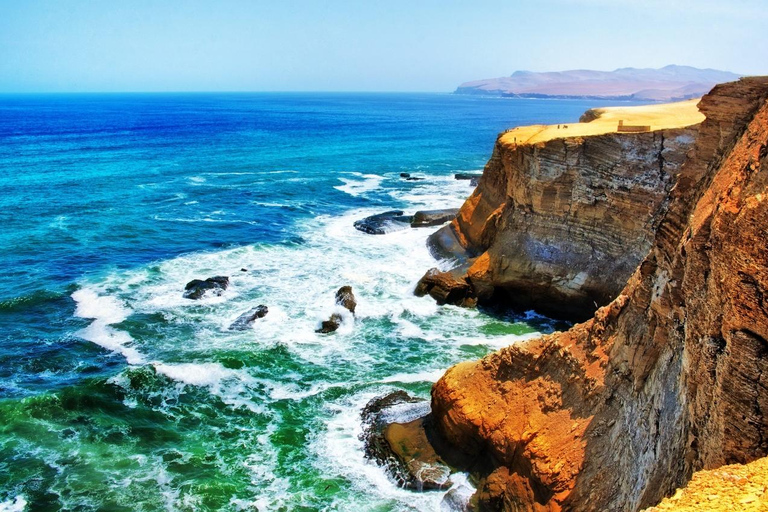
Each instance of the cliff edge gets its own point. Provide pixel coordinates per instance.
(667, 379)
(563, 214)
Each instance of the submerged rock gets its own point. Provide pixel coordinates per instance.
(196, 288)
(346, 299)
(427, 218)
(330, 325)
(405, 175)
(245, 320)
(414, 178)
(395, 436)
(473, 178)
(383, 223)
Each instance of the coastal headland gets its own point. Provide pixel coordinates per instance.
(563, 214)
(665, 380)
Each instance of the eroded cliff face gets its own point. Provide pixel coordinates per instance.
(560, 225)
(667, 379)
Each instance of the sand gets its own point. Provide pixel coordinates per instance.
(658, 117)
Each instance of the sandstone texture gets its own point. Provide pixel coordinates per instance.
(667, 379)
(560, 225)
(742, 487)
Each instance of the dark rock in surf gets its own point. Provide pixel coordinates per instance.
(196, 288)
(428, 218)
(330, 325)
(245, 320)
(396, 436)
(405, 175)
(414, 178)
(473, 178)
(383, 223)
(346, 299)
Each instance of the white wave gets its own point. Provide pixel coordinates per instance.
(105, 311)
(235, 387)
(195, 374)
(18, 504)
(357, 187)
(407, 378)
(197, 179)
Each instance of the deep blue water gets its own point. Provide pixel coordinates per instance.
(110, 203)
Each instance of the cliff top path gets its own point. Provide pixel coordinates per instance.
(658, 117)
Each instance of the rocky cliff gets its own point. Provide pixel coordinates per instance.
(559, 223)
(668, 378)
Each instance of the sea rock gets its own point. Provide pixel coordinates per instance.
(245, 320)
(427, 218)
(330, 325)
(473, 178)
(414, 178)
(668, 378)
(446, 288)
(405, 175)
(196, 288)
(346, 299)
(395, 436)
(559, 226)
(383, 223)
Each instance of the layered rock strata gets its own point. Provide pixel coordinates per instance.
(560, 225)
(667, 379)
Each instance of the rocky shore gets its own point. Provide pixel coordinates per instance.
(668, 378)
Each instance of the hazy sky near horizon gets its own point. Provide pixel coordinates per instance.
(398, 45)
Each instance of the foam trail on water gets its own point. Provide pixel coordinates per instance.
(105, 311)
(16, 505)
(357, 187)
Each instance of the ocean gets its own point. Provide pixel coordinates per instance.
(116, 393)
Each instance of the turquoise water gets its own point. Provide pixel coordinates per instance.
(118, 394)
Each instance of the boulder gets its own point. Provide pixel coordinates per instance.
(245, 320)
(428, 218)
(446, 287)
(383, 223)
(330, 325)
(405, 175)
(346, 299)
(196, 288)
(395, 435)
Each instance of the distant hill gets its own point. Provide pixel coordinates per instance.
(669, 83)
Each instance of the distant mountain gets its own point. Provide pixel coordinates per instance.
(666, 84)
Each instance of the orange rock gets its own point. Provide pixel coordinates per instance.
(668, 378)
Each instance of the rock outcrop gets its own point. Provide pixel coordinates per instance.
(560, 225)
(245, 320)
(427, 218)
(196, 288)
(383, 223)
(395, 436)
(667, 379)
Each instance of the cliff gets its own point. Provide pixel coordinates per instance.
(563, 214)
(669, 83)
(667, 379)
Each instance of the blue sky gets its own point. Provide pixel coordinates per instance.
(393, 45)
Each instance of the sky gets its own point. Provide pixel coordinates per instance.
(359, 45)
